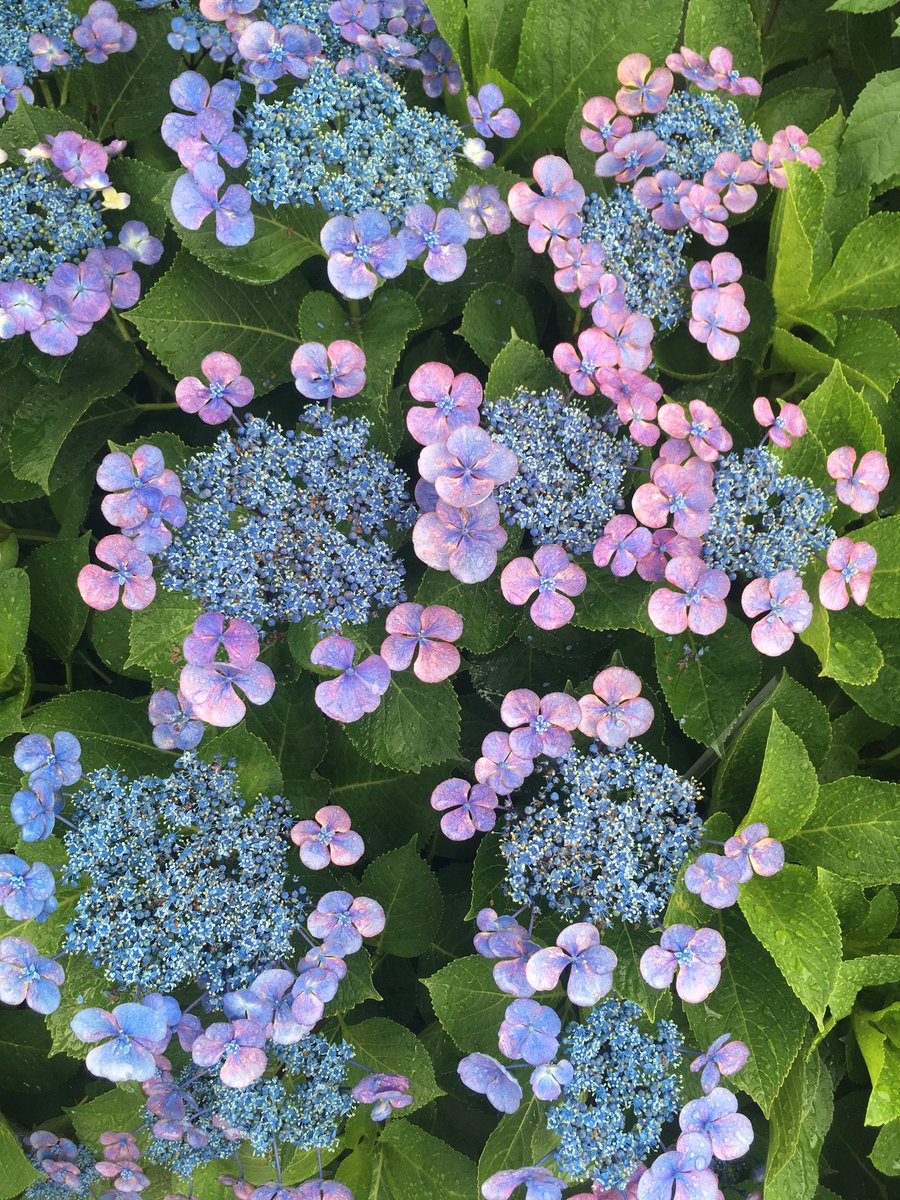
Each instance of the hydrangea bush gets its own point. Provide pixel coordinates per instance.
(449, 600)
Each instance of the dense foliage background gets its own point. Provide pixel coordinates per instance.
(809, 741)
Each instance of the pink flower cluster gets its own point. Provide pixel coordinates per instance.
(539, 726)
(211, 685)
(225, 389)
(460, 466)
(716, 878)
(323, 372)
(144, 499)
(421, 637)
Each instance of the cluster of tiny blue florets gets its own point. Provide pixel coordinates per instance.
(625, 1088)
(648, 259)
(76, 1187)
(19, 19)
(180, 881)
(764, 520)
(313, 15)
(287, 525)
(605, 838)
(304, 1107)
(571, 470)
(44, 221)
(349, 142)
(697, 128)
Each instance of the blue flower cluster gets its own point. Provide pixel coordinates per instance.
(647, 258)
(350, 142)
(625, 1088)
(764, 520)
(41, 35)
(45, 221)
(76, 1180)
(571, 470)
(287, 525)
(181, 881)
(605, 838)
(192, 33)
(305, 1107)
(20, 20)
(697, 128)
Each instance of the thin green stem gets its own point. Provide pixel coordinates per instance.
(98, 671)
(121, 328)
(167, 404)
(160, 377)
(30, 535)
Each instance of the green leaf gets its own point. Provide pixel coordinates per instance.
(846, 646)
(258, 773)
(143, 183)
(881, 699)
(293, 729)
(85, 987)
(610, 603)
(867, 349)
(787, 789)
(886, 1151)
(865, 268)
(192, 311)
(800, 1118)
(861, 6)
(283, 238)
(519, 364)
(509, 1145)
(415, 726)
(854, 831)
(494, 33)
(468, 1003)
(16, 1172)
(884, 594)
(48, 415)
(737, 777)
(878, 923)
(871, 146)
(488, 874)
(411, 1163)
(492, 315)
(796, 226)
(711, 23)
(113, 731)
(488, 620)
(878, 1035)
(119, 1108)
(58, 613)
(384, 1046)
(807, 106)
(356, 986)
(128, 95)
(791, 914)
(752, 1003)
(27, 1062)
(156, 634)
(838, 415)
(15, 609)
(408, 891)
(628, 943)
(858, 973)
(706, 681)
(387, 804)
(382, 332)
(573, 46)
